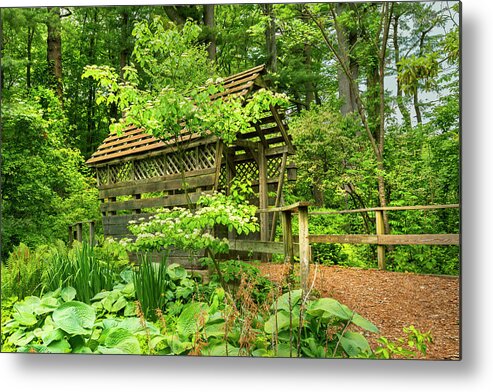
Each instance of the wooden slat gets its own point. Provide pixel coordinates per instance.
(126, 133)
(419, 239)
(292, 207)
(125, 140)
(233, 90)
(128, 146)
(269, 247)
(403, 208)
(140, 149)
(167, 201)
(343, 239)
(159, 185)
(258, 68)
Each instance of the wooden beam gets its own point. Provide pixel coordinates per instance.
(217, 163)
(287, 237)
(344, 239)
(403, 208)
(304, 248)
(282, 128)
(268, 247)
(292, 207)
(419, 239)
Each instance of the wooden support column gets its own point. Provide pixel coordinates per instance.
(287, 237)
(263, 192)
(304, 248)
(91, 233)
(379, 224)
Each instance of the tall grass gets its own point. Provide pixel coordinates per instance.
(81, 269)
(151, 281)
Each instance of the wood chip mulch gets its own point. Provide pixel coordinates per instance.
(392, 301)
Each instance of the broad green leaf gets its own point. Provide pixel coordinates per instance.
(283, 302)
(50, 336)
(192, 318)
(75, 318)
(130, 309)
(47, 305)
(282, 322)
(68, 294)
(354, 344)
(24, 318)
(215, 329)
(59, 346)
(20, 338)
(28, 305)
(177, 345)
(176, 271)
(119, 304)
(325, 307)
(82, 350)
(100, 295)
(221, 350)
(123, 340)
(364, 323)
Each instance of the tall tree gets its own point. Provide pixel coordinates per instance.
(54, 50)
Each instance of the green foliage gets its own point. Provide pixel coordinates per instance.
(190, 230)
(81, 269)
(44, 188)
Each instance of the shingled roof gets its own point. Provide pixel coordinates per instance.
(135, 141)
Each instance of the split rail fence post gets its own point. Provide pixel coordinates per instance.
(304, 247)
(380, 231)
(79, 231)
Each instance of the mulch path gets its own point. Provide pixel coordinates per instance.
(392, 301)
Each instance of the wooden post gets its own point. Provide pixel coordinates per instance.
(287, 237)
(91, 233)
(263, 195)
(304, 247)
(79, 231)
(380, 231)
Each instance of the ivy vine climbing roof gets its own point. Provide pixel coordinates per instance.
(134, 141)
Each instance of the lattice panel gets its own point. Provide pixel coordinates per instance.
(273, 167)
(246, 171)
(206, 156)
(223, 177)
(202, 157)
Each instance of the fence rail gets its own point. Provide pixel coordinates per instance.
(380, 239)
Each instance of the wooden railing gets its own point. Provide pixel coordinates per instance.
(380, 238)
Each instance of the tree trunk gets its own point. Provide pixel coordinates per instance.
(54, 51)
(406, 116)
(309, 88)
(346, 39)
(211, 36)
(270, 37)
(30, 36)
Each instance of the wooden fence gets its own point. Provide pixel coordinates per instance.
(380, 238)
(75, 232)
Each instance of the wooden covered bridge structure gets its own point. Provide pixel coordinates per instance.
(137, 173)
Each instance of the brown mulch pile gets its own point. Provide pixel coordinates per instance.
(393, 301)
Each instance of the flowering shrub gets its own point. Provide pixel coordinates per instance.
(194, 230)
